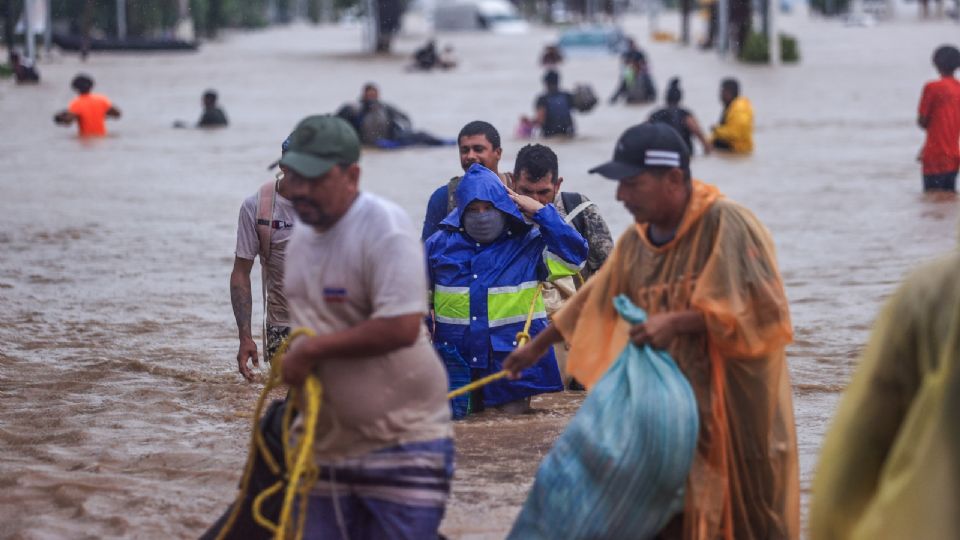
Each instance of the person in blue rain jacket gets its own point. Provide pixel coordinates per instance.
(485, 264)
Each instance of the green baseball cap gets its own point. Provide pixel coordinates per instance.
(318, 143)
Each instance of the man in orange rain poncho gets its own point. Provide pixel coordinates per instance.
(890, 465)
(704, 268)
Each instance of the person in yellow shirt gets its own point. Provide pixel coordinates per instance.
(735, 131)
(88, 110)
(890, 464)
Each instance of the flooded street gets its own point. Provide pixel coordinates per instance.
(121, 411)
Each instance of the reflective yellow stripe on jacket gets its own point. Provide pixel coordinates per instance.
(505, 305)
(508, 305)
(451, 305)
(558, 268)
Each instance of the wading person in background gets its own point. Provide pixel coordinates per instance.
(636, 85)
(355, 276)
(263, 229)
(378, 123)
(536, 174)
(939, 115)
(734, 133)
(478, 142)
(485, 267)
(890, 464)
(680, 118)
(554, 108)
(88, 110)
(212, 115)
(704, 269)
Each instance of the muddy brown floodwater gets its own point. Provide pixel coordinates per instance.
(121, 412)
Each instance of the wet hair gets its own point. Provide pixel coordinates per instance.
(370, 86)
(82, 83)
(537, 160)
(479, 127)
(674, 93)
(947, 59)
(551, 78)
(731, 85)
(210, 95)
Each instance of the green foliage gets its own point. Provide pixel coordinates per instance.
(789, 49)
(150, 17)
(830, 7)
(756, 49)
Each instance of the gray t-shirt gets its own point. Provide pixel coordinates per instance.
(369, 265)
(248, 247)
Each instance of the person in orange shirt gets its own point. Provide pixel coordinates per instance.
(87, 109)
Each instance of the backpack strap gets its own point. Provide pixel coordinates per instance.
(575, 204)
(266, 201)
(452, 193)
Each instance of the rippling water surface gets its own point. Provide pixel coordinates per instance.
(121, 412)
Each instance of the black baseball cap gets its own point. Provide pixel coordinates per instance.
(651, 144)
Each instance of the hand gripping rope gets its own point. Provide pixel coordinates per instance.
(522, 338)
(299, 459)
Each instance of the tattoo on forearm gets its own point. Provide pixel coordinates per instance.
(242, 306)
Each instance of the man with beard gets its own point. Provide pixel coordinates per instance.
(355, 277)
(478, 142)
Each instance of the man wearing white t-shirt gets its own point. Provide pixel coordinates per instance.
(263, 229)
(355, 275)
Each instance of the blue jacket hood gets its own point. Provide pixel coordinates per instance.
(481, 184)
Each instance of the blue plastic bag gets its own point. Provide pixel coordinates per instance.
(620, 467)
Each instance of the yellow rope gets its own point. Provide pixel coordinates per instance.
(303, 470)
(522, 337)
(298, 460)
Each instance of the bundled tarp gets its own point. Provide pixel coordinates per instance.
(619, 469)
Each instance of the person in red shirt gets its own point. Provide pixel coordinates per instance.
(87, 109)
(940, 116)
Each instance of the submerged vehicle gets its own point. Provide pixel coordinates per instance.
(499, 16)
(593, 38)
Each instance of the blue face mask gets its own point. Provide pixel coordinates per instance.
(486, 226)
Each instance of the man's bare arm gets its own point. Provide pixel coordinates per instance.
(529, 354)
(242, 300)
(372, 337)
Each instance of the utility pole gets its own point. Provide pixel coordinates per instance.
(47, 28)
(773, 33)
(28, 32)
(122, 19)
(685, 22)
(723, 26)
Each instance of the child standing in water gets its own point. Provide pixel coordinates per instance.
(939, 115)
